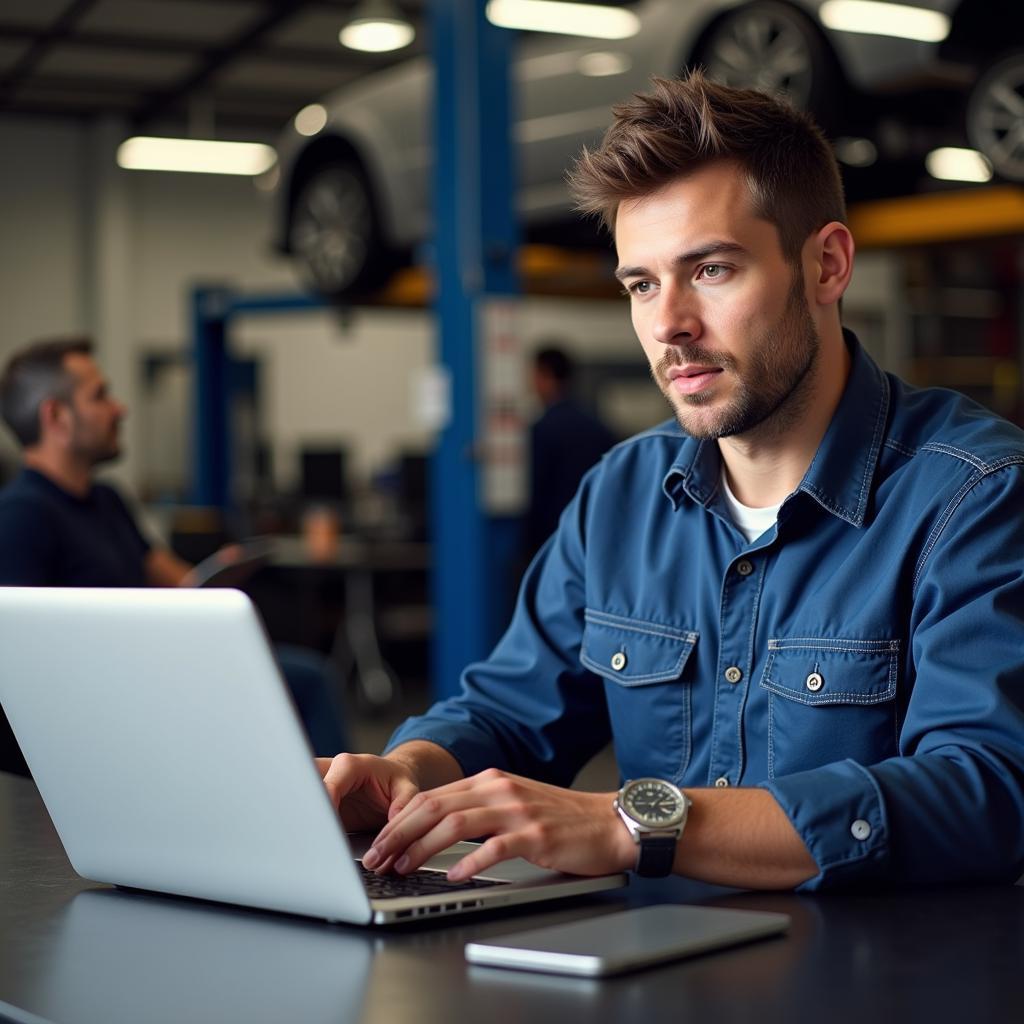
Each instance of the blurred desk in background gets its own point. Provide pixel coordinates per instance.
(364, 602)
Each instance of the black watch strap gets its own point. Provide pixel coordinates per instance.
(656, 856)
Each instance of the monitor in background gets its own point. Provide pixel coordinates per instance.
(323, 476)
(413, 496)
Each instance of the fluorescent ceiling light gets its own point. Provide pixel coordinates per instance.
(872, 17)
(600, 64)
(548, 65)
(856, 152)
(569, 19)
(376, 36)
(310, 120)
(951, 164)
(377, 27)
(199, 156)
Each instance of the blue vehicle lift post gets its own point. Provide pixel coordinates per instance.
(476, 244)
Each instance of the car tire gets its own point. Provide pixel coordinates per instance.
(774, 48)
(995, 116)
(334, 231)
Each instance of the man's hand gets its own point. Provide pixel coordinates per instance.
(367, 790)
(555, 828)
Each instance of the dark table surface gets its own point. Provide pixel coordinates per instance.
(74, 952)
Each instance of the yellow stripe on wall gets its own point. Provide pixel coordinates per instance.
(940, 217)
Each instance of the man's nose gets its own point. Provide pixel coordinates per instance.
(677, 319)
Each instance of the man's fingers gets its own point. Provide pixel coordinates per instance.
(494, 851)
(489, 787)
(342, 776)
(401, 793)
(381, 781)
(451, 828)
(422, 814)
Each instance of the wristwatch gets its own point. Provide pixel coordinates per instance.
(654, 811)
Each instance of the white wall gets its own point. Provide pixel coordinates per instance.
(42, 233)
(42, 237)
(88, 247)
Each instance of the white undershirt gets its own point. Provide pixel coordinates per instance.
(752, 522)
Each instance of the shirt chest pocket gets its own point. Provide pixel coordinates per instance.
(830, 699)
(643, 665)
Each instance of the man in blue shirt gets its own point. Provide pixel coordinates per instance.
(796, 609)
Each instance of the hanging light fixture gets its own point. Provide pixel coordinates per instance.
(197, 156)
(871, 17)
(573, 19)
(377, 27)
(953, 164)
(200, 153)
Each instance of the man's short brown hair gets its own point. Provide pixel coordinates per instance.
(33, 375)
(684, 124)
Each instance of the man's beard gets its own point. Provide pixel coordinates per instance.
(772, 392)
(94, 453)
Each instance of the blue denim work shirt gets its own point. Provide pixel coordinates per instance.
(863, 659)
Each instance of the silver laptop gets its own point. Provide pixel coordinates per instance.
(165, 746)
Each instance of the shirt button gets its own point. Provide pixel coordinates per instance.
(619, 661)
(721, 782)
(733, 674)
(860, 829)
(814, 682)
(744, 568)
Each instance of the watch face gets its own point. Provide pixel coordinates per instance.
(653, 803)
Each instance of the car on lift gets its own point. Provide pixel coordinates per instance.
(354, 200)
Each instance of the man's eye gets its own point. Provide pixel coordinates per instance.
(639, 288)
(713, 271)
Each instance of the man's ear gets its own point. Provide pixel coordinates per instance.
(54, 418)
(833, 260)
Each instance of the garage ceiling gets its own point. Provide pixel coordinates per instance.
(239, 67)
(233, 68)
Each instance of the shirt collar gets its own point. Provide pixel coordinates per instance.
(840, 474)
(40, 481)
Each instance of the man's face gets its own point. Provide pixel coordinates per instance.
(95, 417)
(721, 316)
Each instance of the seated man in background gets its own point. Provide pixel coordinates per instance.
(796, 609)
(59, 527)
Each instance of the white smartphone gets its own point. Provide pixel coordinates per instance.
(626, 940)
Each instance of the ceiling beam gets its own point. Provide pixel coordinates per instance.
(131, 89)
(217, 58)
(57, 31)
(279, 54)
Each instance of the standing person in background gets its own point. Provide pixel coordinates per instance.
(60, 527)
(565, 441)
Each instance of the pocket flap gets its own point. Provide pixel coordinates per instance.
(634, 652)
(822, 670)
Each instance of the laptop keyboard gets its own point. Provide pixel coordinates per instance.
(419, 883)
